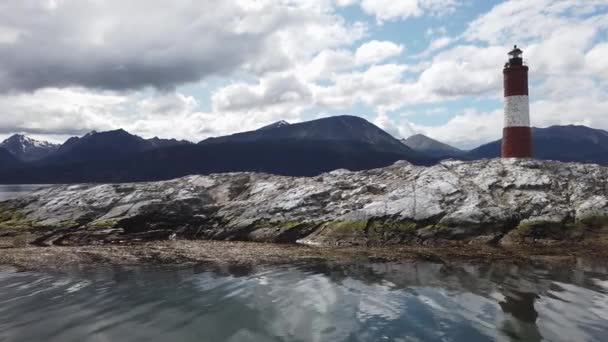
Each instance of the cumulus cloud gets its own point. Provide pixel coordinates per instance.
(399, 128)
(56, 114)
(377, 51)
(379, 85)
(119, 45)
(273, 91)
(387, 10)
(329, 62)
(464, 70)
(130, 45)
(435, 45)
(326, 64)
(58, 111)
(468, 129)
(527, 21)
(596, 60)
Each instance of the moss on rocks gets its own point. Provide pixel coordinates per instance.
(110, 223)
(439, 227)
(346, 228)
(67, 224)
(369, 231)
(13, 218)
(528, 228)
(266, 230)
(543, 228)
(405, 226)
(593, 222)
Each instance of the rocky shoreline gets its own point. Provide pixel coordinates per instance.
(504, 203)
(194, 252)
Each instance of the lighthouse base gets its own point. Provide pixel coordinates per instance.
(516, 142)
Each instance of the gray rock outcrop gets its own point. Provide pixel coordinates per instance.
(490, 201)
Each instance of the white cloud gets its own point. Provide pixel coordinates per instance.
(145, 43)
(377, 51)
(473, 128)
(557, 36)
(462, 71)
(326, 64)
(596, 60)
(439, 43)
(61, 111)
(379, 86)
(398, 128)
(387, 10)
(435, 45)
(583, 110)
(55, 114)
(527, 21)
(273, 91)
(466, 130)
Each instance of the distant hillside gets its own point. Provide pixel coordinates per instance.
(432, 147)
(564, 143)
(287, 158)
(157, 142)
(28, 149)
(106, 146)
(303, 149)
(343, 128)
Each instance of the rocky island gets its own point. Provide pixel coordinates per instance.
(503, 203)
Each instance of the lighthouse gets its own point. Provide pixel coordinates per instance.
(516, 133)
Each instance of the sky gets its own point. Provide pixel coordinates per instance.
(194, 69)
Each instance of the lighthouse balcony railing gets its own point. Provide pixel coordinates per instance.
(516, 62)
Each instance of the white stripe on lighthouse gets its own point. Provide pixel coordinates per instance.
(517, 111)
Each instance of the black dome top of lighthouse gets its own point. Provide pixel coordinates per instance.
(516, 52)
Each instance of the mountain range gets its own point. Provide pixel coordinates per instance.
(335, 129)
(106, 146)
(300, 149)
(432, 147)
(569, 143)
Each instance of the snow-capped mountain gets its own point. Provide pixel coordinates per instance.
(28, 149)
(275, 125)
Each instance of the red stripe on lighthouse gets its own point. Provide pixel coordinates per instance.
(516, 80)
(516, 142)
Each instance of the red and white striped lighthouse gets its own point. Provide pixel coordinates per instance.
(516, 133)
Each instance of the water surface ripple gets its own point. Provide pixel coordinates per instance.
(415, 301)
